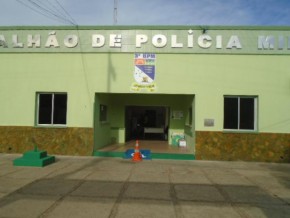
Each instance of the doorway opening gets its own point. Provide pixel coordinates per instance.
(147, 122)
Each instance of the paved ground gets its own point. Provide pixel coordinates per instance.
(114, 187)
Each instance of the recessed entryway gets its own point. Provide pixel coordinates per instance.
(146, 122)
(158, 120)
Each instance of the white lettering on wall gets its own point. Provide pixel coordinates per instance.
(52, 40)
(174, 43)
(204, 41)
(266, 42)
(141, 39)
(33, 40)
(281, 43)
(98, 41)
(3, 41)
(115, 41)
(71, 41)
(219, 41)
(15, 42)
(159, 41)
(234, 42)
(190, 39)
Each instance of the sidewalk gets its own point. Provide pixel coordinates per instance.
(115, 187)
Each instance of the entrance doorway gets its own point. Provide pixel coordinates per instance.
(146, 122)
(154, 119)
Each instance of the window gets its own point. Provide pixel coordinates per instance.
(52, 108)
(240, 113)
(103, 113)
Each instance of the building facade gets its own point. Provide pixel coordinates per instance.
(75, 90)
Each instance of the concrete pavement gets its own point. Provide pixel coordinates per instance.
(115, 187)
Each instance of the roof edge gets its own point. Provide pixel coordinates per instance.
(164, 27)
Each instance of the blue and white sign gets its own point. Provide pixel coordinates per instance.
(144, 72)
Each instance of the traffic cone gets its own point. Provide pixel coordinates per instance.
(137, 156)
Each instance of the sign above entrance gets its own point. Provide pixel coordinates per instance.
(144, 72)
(228, 41)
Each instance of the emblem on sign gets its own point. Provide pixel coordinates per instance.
(144, 72)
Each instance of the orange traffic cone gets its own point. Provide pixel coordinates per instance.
(137, 156)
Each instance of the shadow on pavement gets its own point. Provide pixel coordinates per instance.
(98, 189)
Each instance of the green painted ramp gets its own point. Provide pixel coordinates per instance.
(153, 155)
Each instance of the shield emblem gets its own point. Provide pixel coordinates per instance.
(144, 74)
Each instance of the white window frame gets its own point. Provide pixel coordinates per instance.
(52, 105)
(255, 113)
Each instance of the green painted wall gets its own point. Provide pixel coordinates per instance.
(196, 78)
(102, 129)
(207, 77)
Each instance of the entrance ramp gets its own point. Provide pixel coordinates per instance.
(158, 150)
